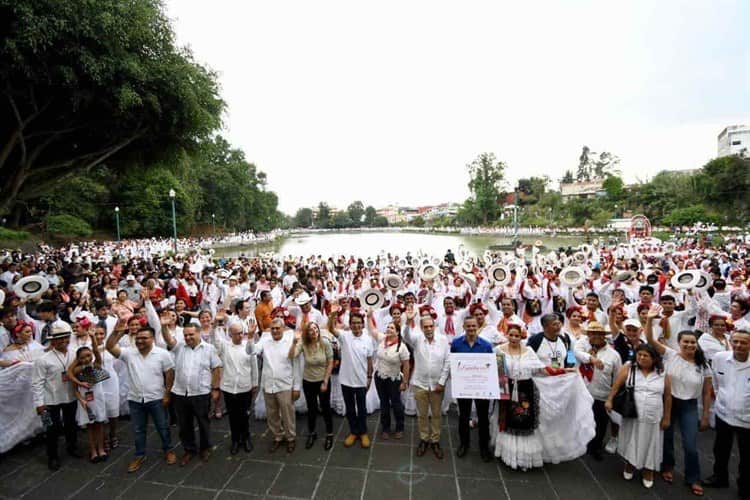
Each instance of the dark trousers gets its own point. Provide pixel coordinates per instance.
(63, 422)
(389, 392)
(189, 409)
(317, 403)
(238, 406)
(684, 412)
(356, 408)
(723, 448)
(483, 414)
(601, 418)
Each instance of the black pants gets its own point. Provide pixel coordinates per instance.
(601, 417)
(63, 422)
(317, 403)
(238, 406)
(483, 414)
(389, 392)
(356, 408)
(189, 409)
(723, 448)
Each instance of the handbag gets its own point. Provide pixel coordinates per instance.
(93, 375)
(624, 401)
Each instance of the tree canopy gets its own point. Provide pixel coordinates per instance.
(486, 175)
(90, 83)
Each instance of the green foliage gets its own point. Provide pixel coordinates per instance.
(418, 221)
(88, 83)
(380, 221)
(486, 175)
(11, 235)
(568, 177)
(356, 212)
(370, 215)
(341, 220)
(68, 225)
(689, 215)
(303, 218)
(614, 187)
(323, 218)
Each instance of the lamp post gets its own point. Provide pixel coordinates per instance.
(213, 222)
(174, 221)
(117, 222)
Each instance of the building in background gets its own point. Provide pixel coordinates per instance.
(583, 189)
(734, 140)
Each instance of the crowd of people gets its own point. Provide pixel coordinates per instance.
(599, 349)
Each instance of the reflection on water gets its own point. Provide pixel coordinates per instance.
(371, 244)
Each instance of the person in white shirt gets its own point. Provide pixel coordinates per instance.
(431, 370)
(598, 375)
(731, 381)
(355, 375)
(238, 383)
(53, 393)
(150, 380)
(281, 380)
(196, 383)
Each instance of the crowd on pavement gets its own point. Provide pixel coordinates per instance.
(599, 349)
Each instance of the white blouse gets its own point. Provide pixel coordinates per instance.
(686, 378)
(390, 358)
(649, 395)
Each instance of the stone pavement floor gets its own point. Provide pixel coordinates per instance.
(388, 470)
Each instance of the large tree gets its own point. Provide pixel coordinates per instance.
(89, 83)
(356, 211)
(486, 177)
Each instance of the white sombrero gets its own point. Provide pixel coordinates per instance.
(669, 247)
(538, 243)
(705, 281)
(470, 280)
(82, 286)
(686, 279)
(372, 297)
(467, 266)
(429, 272)
(572, 276)
(2, 298)
(302, 299)
(623, 275)
(31, 287)
(579, 257)
(487, 257)
(196, 268)
(393, 282)
(499, 273)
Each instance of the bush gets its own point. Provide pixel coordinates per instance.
(68, 225)
(9, 234)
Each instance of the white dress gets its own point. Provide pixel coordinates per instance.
(641, 439)
(97, 401)
(337, 397)
(518, 451)
(111, 386)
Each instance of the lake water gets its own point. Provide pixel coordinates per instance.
(372, 243)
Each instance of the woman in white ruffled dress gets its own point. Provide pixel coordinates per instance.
(516, 417)
(641, 439)
(333, 326)
(22, 348)
(111, 387)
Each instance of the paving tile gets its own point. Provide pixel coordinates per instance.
(237, 495)
(472, 465)
(354, 457)
(62, 484)
(33, 474)
(391, 458)
(429, 464)
(103, 487)
(254, 477)
(296, 481)
(387, 486)
(433, 487)
(532, 491)
(183, 493)
(213, 474)
(340, 484)
(145, 490)
(160, 472)
(481, 488)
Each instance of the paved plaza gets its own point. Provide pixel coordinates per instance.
(388, 470)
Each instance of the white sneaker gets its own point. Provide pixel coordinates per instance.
(611, 446)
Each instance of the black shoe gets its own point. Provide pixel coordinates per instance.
(248, 445)
(53, 464)
(422, 448)
(486, 455)
(235, 448)
(461, 451)
(72, 452)
(329, 442)
(715, 482)
(311, 440)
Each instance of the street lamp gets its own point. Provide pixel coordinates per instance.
(117, 222)
(213, 221)
(174, 221)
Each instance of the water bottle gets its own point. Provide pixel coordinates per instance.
(570, 359)
(46, 420)
(90, 413)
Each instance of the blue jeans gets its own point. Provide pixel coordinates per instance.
(684, 411)
(139, 413)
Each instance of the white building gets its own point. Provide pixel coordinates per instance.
(734, 140)
(583, 189)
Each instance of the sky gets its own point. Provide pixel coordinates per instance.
(387, 102)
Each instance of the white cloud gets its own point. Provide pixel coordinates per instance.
(387, 102)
